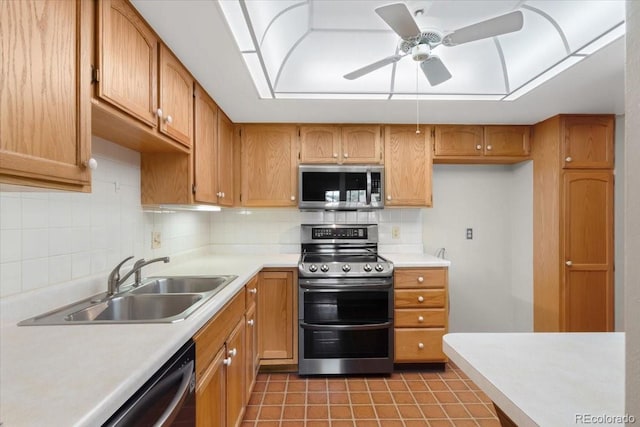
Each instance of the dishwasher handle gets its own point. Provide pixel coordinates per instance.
(188, 377)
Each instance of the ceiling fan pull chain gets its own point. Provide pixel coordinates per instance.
(417, 103)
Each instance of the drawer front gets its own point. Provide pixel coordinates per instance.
(419, 345)
(252, 291)
(420, 298)
(419, 318)
(407, 278)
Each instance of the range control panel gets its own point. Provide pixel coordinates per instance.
(339, 233)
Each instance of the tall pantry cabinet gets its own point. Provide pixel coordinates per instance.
(573, 223)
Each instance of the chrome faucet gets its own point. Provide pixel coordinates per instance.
(114, 282)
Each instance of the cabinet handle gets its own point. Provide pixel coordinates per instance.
(253, 290)
(568, 159)
(420, 298)
(489, 148)
(226, 361)
(478, 147)
(569, 263)
(159, 112)
(420, 319)
(420, 279)
(232, 352)
(293, 198)
(420, 345)
(250, 322)
(345, 155)
(91, 164)
(335, 155)
(169, 120)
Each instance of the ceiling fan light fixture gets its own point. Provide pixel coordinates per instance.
(420, 52)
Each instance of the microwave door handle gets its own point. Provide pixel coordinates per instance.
(368, 188)
(169, 414)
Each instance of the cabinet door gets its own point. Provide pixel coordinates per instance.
(176, 98)
(458, 141)
(361, 144)
(44, 93)
(507, 141)
(236, 389)
(587, 142)
(588, 251)
(127, 61)
(408, 166)
(252, 359)
(319, 144)
(225, 160)
(211, 394)
(276, 324)
(269, 158)
(204, 150)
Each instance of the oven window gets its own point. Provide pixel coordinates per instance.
(334, 187)
(333, 344)
(350, 308)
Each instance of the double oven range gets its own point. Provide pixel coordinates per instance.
(345, 301)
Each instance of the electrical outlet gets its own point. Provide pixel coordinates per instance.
(395, 232)
(156, 240)
(469, 233)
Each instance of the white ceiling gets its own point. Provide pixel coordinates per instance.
(198, 33)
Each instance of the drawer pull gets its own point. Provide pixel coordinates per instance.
(420, 279)
(420, 319)
(420, 345)
(420, 298)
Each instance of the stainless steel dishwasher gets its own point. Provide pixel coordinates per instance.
(167, 399)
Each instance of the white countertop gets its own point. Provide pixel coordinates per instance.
(78, 375)
(546, 379)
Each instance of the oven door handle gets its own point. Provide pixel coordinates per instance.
(367, 327)
(344, 288)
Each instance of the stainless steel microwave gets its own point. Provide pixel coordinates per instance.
(341, 187)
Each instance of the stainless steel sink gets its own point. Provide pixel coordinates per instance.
(130, 308)
(183, 284)
(158, 300)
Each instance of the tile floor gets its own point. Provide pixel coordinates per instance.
(408, 399)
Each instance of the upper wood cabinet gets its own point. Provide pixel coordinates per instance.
(340, 144)
(269, 161)
(205, 152)
(45, 94)
(481, 144)
(587, 142)
(407, 166)
(144, 96)
(225, 160)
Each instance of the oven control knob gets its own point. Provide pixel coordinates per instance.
(379, 267)
(346, 268)
(367, 267)
(313, 268)
(324, 268)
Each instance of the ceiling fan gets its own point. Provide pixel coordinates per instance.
(420, 44)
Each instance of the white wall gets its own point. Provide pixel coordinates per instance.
(632, 209)
(490, 279)
(51, 237)
(619, 214)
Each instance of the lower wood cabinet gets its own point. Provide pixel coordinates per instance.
(278, 317)
(252, 345)
(420, 315)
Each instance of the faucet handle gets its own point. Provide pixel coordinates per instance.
(115, 273)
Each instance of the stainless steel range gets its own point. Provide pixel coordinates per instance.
(345, 301)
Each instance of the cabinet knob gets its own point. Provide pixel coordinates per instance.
(345, 155)
(169, 120)
(420, 319)
(226, 361)
(253, 290)
(222, 194)
(420, 279)
(91, 164)
(568, 159)
(219, 194)
(388, 197)
(489, 148)
(420, 345)
(251, 322)
(232, 352)
(293, 198)
(159, 112)
(569, 263)
(335, 155)
(478, 147)
(420, 298)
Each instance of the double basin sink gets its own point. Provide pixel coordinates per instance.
(155, 300)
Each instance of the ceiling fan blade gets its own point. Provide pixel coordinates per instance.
(435, 71)
(398, 17)
(372, 67)
(491, 27)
